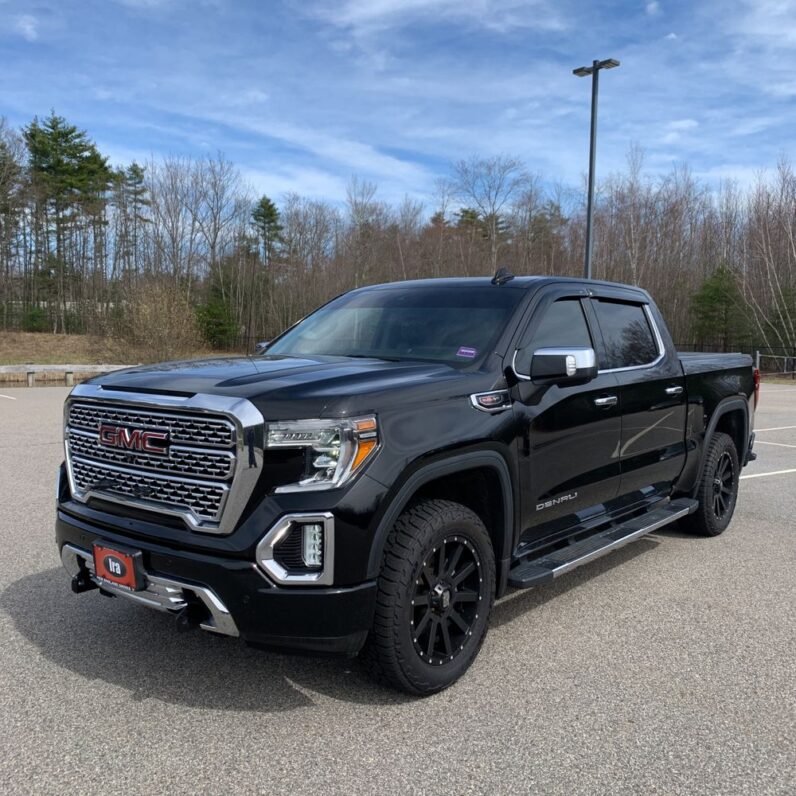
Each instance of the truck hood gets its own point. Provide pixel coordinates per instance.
(293, 386)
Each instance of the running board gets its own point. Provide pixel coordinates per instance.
(531, 572)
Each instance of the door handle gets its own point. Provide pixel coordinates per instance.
(608, 400)
(674, 390)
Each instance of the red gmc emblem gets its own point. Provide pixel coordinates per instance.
(134, 439)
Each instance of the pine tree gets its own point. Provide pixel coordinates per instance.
(266, 221)
(718, 311)
(468, 217)
(70, 179)
(10, 210)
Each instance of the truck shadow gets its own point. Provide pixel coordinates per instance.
(519, 602)
(139, 650)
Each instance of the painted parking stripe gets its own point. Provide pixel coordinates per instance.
(763, 475)
(778, 444)
(778, 428)
(10, 398)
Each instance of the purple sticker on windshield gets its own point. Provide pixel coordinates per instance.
(467, 352)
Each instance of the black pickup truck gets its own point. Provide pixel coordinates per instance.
(387, 467)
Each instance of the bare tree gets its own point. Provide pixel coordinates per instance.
(490, 185)
(177, 236)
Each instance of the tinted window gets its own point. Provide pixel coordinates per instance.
(563, 325)
(626, 333)
(458, 325)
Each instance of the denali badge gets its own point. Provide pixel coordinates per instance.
(555, 501)
(134, 439)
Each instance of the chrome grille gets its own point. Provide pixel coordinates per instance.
(204, 500)
(193, 480)
(209, 432)
(204, 464)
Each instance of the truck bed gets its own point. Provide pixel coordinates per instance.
(703, 362)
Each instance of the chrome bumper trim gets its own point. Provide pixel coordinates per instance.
(162, 594)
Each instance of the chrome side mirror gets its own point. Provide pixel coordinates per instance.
(575, 365)
(261, 346)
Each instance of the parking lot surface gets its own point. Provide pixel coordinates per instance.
(668, 667)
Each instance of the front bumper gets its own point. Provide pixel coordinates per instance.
(238, 598)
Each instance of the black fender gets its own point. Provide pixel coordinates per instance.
(724, 406)
(455, 463)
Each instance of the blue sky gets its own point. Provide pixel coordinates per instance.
(302, 94)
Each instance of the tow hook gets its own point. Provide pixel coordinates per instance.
(191, 617)
(82, 582)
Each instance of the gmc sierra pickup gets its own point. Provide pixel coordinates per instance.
(383, 470)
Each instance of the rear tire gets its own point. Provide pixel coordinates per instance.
(434, 597)
(718, 489)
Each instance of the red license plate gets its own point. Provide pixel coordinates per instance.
(119, 567)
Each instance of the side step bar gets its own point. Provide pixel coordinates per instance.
(533, 571)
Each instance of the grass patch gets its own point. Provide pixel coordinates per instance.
(40, 348)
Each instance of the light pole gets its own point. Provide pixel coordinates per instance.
(594, 71)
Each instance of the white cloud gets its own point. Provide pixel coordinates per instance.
(744, 176)
(367, 16)
(248, 97)
(683, 124)
(676, 128)
(653, 8)
(122, 156)
(774, 20)
(27, 26)
(754, 125)
(144, 3)
(352, 154)
(763, 35)
(308, 182)
(311, 110)
(255, 95)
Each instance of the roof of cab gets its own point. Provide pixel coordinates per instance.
(517, 282)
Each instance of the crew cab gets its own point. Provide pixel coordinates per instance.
(374, 478)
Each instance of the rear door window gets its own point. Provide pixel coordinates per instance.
(627, 336)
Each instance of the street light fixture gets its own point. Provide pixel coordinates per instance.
(594, 71)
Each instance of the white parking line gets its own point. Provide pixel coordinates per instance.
(778, 444)
(763, 475)
(7, 396)
(778, 428)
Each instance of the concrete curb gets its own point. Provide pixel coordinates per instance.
(65, 374)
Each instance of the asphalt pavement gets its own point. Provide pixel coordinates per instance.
(668, 667)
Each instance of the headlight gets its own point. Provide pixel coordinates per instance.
(336, 449)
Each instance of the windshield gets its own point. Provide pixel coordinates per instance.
(458, 325)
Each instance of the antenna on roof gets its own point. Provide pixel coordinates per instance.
(502, 275)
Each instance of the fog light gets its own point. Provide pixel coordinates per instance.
(312, 547)
(299, 549)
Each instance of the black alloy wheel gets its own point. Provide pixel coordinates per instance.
(723, 486)
(446, 600)
(717, 491)
(435, 592)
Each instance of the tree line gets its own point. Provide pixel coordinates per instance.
(176, 252)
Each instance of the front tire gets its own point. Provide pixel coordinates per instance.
(435, 593)
(718, 490)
